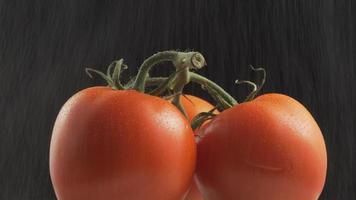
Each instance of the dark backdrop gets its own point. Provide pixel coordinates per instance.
(306, 46)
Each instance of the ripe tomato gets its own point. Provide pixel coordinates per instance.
(110, 144)
(270, 148)
(194, 193)
(193, 106)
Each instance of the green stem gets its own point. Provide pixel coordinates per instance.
(116, 74)
(148, 64)
(201, 118)
(181, 80)
(196, 60)
(152, 81)
(189, 59)
(204, 81)
(253, 94)
(163, 85)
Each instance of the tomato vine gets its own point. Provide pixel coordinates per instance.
(183, 62)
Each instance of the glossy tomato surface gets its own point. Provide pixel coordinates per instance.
(270, 148)
(194, 193)
(193, 106)
(110, 144)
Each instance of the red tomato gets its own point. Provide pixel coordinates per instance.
(193, 106)
(270, 148)
(110, 144)
(194, 193)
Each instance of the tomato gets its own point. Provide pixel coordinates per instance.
(193, 106)
(110, 144)
(194, 193)
(270, 148)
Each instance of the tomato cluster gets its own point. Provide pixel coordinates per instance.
(129, 141)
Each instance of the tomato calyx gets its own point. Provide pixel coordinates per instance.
(174, 84)
(224, 100)
(256, 89)
(112, 78)
(202, 117)
(181, 60)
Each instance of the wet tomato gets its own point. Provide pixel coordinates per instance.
(110, 144)
(193, 106)
(270, 148)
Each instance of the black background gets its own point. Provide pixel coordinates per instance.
(306, 46)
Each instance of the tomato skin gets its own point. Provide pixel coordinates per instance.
(193, 106)
(270, 148)
(110, 144)
(194, 193)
